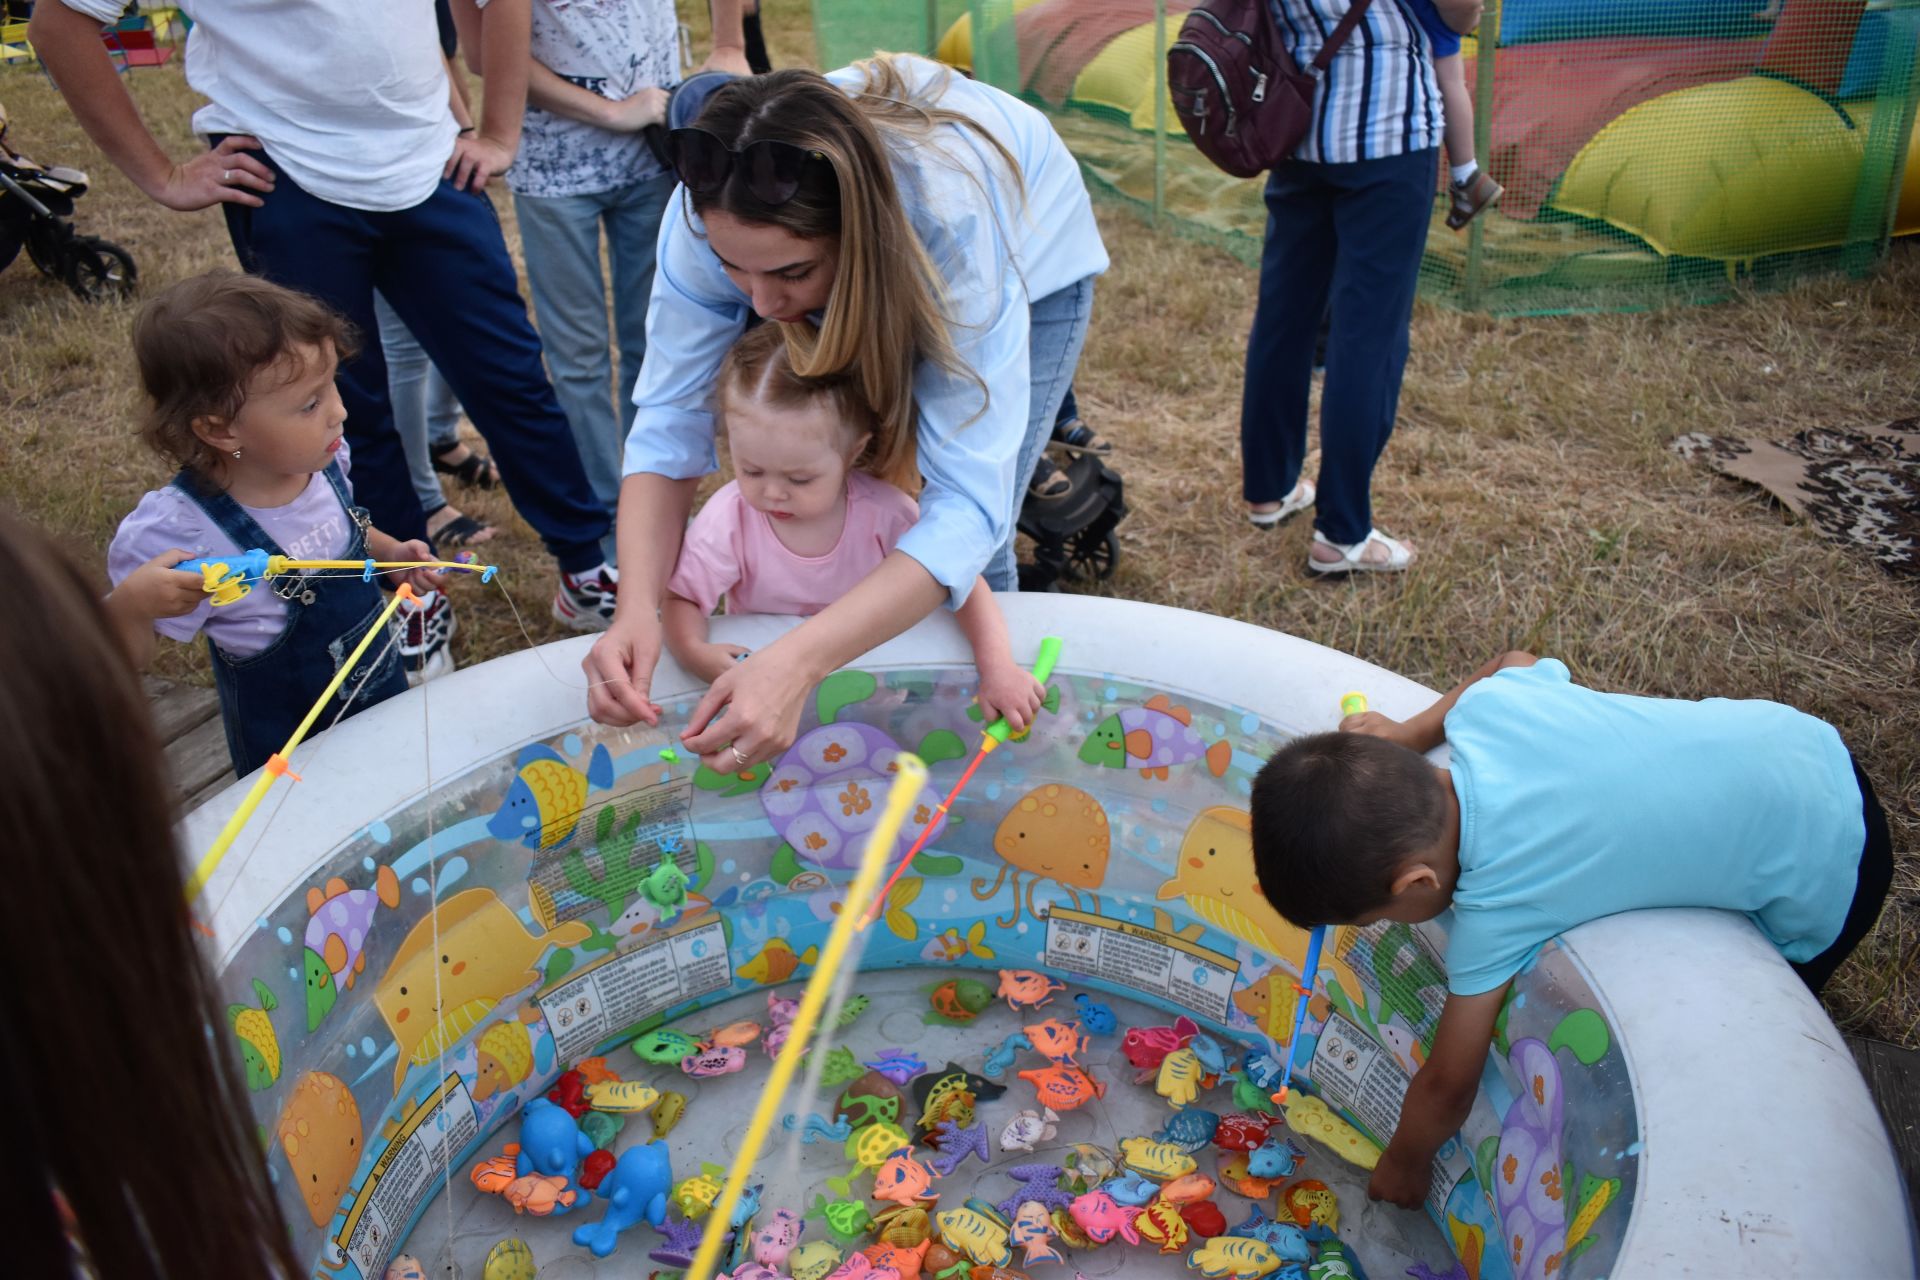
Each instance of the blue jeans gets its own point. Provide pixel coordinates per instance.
(560, 236)
(443, 265)
(1058, 324)
(1349, 235)
(425, 411)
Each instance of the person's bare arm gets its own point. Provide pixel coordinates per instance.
(729, 38)
(1462, 15)
(1428, 730)
(652, 522)
(685, 628)
(68, 43)
(552, 92)
(1439, 1098)
(1005, 689)
(457, 96)
(153, 591)
(506, 33)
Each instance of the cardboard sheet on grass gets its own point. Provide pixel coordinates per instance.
(1858, 486)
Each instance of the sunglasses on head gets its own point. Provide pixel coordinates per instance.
(772, 169)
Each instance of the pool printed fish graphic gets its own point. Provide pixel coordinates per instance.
(548, 795)
(259, 1046)
(777, 962)
(1153, 738)
(338, 919)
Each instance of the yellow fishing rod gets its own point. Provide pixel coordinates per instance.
(232, 578)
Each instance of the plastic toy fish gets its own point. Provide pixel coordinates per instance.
(839, 1067)
(959, 1000)
(1131, 1189)
(1029, 1129)
(776, 962)
(338, 921)
(1147, 1047)
(595, 1071)
(1032, 1229)
(816, 1127)
(903, 1180)
(1234, 1258)
(1190, 1128)
(510, 1259)
(1234, 1177)
(1262, 1067)
(1287, 1241)
(538, 1194)
(735, 1035)
(1310, 1203)
(860, 1267)
(846, 1218)
(953, 1104)
(695, 1195)
(1097, 1018)
(1179, 1079)
(977, 1231)
(1027, 988)
(897, 1065)
(1069, 1231)
(406, 1267)
(1037, 1182)
(1212, 1056)
(868, 1148)
(1102, 1217)
(853, 1010)
(595, 1168)
(775, 1241)
(1204, 1219)
(746, 1205)
(259, 1047)
(1160, 1160)
(1006, 1055)
(494, 1174)
(813, 1260)
(1063, 1088)
(1334, 1262)
(665, 1045)
(1275, 1159)
(719, 1061)
(956, 1144)
(666, 888)
(1249, 1096)
(894, 1259)
(622, 1096)
(668, 1112)
(569, 1093)
(751, 1271)
(1160, 1223)
(1311, 1116)
(907, 1226)
(548, 795)
(1058, 1041)
(1241, 1131)
(602, 1127)
(871, 1097)
(1187, 1188)
(550, 1143)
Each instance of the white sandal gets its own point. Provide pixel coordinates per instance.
(1399, 555)
(1299, 500)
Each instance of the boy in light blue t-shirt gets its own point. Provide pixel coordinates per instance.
(1561, 805)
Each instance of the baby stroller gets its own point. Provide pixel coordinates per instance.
(1073, 535)
(36, 208)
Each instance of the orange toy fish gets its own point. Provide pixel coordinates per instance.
(736, 1035)
(1187, 1189)
(595, 1071)
(1234, 1176)
(903, 1180)
(539, 1194)
(494, 1175)
(1064, 1088)
(1057, 1040)
(906, 1261)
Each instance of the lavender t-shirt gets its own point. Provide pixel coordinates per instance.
(314, 526)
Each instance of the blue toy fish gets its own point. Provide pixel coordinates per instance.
(1131, 1189)
(1006, 1055)
(1262, 1068)
(1274, 1159)
(1212, 1056)
(1189, 1128)
(635, 1190)
(746, 1206)
(1283, 1238)
(817, 1127)
(1097, 1018)
(548, 795)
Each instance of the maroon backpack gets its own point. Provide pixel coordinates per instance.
(1235, 87)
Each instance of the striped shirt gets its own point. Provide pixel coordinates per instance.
(1379, 97)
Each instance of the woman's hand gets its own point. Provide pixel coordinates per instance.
(224, 175)
(1006, 690)
(752, 712)
(619, 670)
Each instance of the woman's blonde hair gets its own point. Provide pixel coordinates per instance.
(759, 368)
(886, 312)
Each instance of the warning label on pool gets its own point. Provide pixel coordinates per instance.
(406, 1171)
(1355, 1073)
(1148, 960)
(624, 989)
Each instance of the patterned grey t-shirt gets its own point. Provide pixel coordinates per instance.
(613, 48)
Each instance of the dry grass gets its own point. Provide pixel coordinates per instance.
(1530, 467)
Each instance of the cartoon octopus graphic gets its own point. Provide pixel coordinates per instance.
(1056, 833)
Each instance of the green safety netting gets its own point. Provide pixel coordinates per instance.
(1653, 151)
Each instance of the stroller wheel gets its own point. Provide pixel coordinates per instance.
(99, 270)
(1093, 558)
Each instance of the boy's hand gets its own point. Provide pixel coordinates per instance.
(1376, 725)
(638, 110)
(1006, 690)
(476, 161)
(157, 590)
(1399, 1180)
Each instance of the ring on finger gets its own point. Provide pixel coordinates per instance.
(226, 175)
(737, 757)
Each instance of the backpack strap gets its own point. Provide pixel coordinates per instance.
(1351, 19)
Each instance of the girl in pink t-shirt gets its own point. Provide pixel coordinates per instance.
(809, 514)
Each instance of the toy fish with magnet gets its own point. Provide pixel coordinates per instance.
(897, 1065)
(977, 1231)
(1006, 1055)
(1131, 1189)
(538, 1194)
(1310, 1203)
(548, 795)
(1026, 988)
(1213, 1057)
(903, 1180)
(1160, 1160)
(1097, 1018)
(904, 1225)
(665, 1045)
(1029, 1129)
(1160, 1223)
(1335, 1262)
(1064, 1088)
(1190, 1128)
(1101, 1217)
(956, 1144)
(869, 1148)
(1234, 1258)
(1187, 1188)
(954, 1076)
(813, 1260)
(735, 1034)
(668, 1112)
(695, 1195)
(1275, 1159)
(1032, 1229)
(1147, 1047)
(958, 1000)
(1058, 1041)
(1241, 1131)
(1180, 1077)
(719, 1061)
(666, 888)
(1288, 1242)
(815, 1127)
(774, 1242)
(622, 1096)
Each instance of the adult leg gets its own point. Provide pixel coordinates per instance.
(1295, 267)
(407, 372)
(443, 265)
(1380, 214)
(329, 251)
(633, 230)
(1058, 325)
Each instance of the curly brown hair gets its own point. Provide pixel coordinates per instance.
(200, 342)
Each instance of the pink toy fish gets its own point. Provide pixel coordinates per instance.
(1058, 1041)
(860, 1267)
(903, 1180)
(1064, 1088)
(718, 1061)
(773, 1242)
(780, 1015)
(1025, 987)
(1100, 1216)
(1147, 1047)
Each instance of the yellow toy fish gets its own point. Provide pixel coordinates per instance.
(1313, 1117)
(1179, 1081)
(777, 962)
(1160, 1223)
(977, 1231)
(1234, 1256)
(511, 1259)
(814, 1260)
(259, 1047)
(667, 1113)
(619, 1097)
(696, 1195)
(1161, 1161)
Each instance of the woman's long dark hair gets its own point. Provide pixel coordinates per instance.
(124, 1095)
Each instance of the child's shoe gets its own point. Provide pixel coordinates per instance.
(1076, 436)
(585, 601)
(1469, 198)
(427, 625)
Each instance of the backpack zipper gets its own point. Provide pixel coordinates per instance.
(1213, 69)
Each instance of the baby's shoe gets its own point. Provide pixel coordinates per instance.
(427, 625)
(1469, 198)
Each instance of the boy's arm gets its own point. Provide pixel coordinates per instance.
(1437, 1102)
(1005, 690)
(1428, 730)
(1461, 15)
(552, 92)
(729, 38)
(684, 627)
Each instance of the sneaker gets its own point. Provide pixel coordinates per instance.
(427, 625)
(585, 601)
(1469, 198)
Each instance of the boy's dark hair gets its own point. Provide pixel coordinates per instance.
(199, 342)
(1334, 816)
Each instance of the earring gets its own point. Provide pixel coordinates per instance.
(236, 453)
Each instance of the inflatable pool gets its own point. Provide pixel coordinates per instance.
(1664, 1097)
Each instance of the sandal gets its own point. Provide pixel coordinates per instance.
(1295, 502)
(1049, 481)
(1076, 436)
(475, 471)
(461, 531)
(1352, 559)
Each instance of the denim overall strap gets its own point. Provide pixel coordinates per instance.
(264, 695)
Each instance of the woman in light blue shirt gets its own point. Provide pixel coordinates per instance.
(928, 234)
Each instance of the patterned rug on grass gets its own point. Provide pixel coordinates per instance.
(1858, 487)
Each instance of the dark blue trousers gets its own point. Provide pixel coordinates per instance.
(443, 265)
(1345, 237)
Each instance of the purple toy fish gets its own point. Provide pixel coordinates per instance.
(897, 1065)
(1037, 1182)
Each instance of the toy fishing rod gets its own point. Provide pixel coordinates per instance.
(995, 734)
(231, 578)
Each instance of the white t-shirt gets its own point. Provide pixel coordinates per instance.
(349, 97)
(610, 47)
